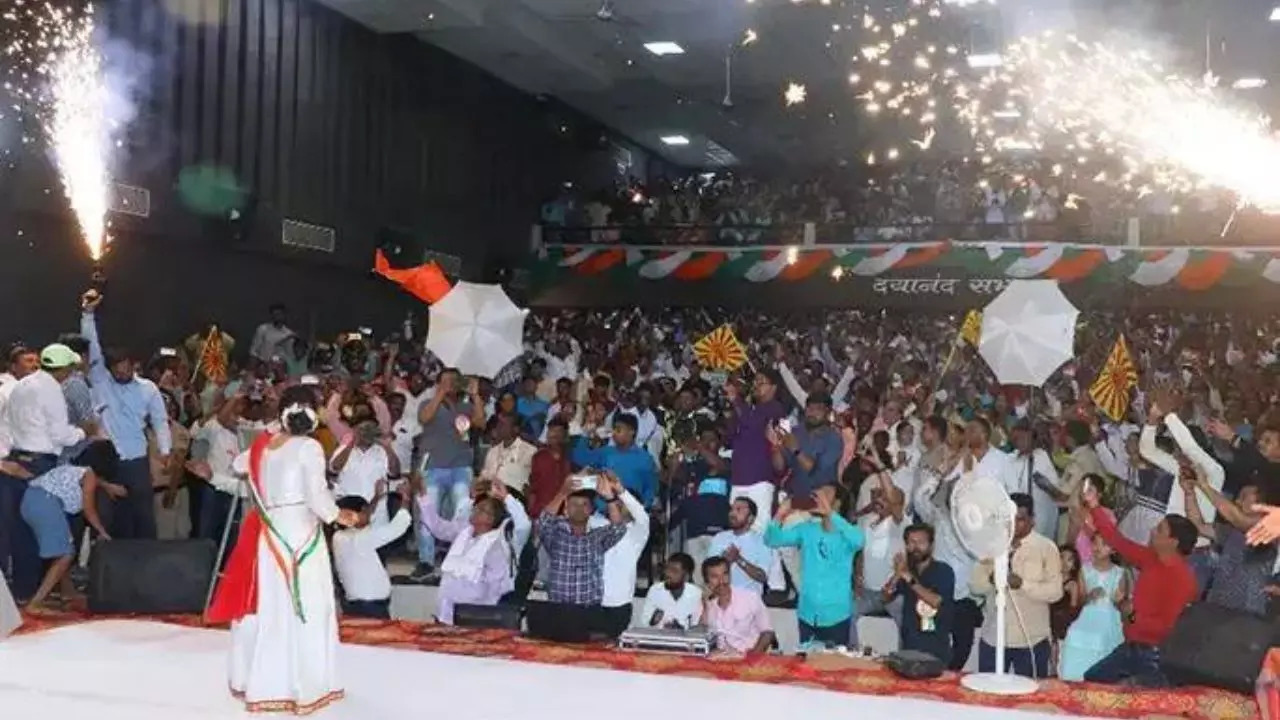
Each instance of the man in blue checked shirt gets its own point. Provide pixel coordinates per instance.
(633, 465)
(128, 404)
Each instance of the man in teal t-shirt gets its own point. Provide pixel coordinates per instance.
(828, 544)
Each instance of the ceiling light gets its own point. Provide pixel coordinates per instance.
(1006, 114)
(985, 60)
(664, 47)
(674, 140)
(1275, 14)
(1249, 83)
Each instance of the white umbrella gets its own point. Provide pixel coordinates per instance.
(476, 329)
(1028, 332)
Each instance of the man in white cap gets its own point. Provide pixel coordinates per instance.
(36, 415)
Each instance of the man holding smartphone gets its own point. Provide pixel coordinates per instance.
(810, 454)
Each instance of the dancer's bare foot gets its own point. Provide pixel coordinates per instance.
(38, 609)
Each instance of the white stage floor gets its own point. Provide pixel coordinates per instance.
(135, 670)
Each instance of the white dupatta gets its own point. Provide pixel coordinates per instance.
(10, 619)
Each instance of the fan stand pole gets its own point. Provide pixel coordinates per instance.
(1000, 682)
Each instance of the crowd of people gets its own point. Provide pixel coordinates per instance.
(1010, 199)
(820, 474)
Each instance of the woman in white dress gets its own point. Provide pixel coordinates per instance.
(10, 619)
(277, 591)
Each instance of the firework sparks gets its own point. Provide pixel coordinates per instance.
(795, 94)
(56, 75)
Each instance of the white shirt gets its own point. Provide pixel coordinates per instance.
(511, 464)
(355, 557)
(994, 465)
(224, 447)
(7, 383)
(686, 611)
(36, 414)
(521, 525)
(361, 474)
(883, 537)
(620, 560)
(1019, 480)
(403, 433)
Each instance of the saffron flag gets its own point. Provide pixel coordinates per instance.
(1115, 383)
(720, 350)
(971, 328)
(425, 282)
(213, 357)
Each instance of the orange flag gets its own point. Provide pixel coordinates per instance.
(1116, 381)
(720, 350)
(213, 357)
(425, 282)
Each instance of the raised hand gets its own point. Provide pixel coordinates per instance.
(90, 300)
(1267, 529)
(498, 490)
(822, 505)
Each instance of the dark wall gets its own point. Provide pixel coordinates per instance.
(325, 122)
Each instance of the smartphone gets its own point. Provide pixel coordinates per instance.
(168, 352)
(785, 425)
(586, 482)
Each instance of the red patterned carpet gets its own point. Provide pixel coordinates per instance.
(1054, 696)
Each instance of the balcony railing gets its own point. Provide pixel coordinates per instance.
(810, 234)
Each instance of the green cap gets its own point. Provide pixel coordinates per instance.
(58, 356)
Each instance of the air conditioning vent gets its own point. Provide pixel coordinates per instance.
(450, 264)
(129, 200)
(305, 235)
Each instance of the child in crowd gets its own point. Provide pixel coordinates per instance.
(1098, 629)
(1063, 612)
(366, 586)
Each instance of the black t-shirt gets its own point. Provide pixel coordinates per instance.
(930, 635)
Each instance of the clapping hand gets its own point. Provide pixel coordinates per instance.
(731, 554)
(1096, 594)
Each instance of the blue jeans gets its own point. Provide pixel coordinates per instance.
(132, 517)
(19, 554)
(1129, 664)
(1019, 661)
(457, 481)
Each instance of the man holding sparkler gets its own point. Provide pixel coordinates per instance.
(127, 404)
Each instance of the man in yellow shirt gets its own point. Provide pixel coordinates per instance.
(1035, 583)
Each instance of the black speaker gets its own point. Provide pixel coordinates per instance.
(150, 576)
(502, 617)
(1217, 647)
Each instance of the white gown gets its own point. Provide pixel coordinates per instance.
(10, 619)
(283, 659)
